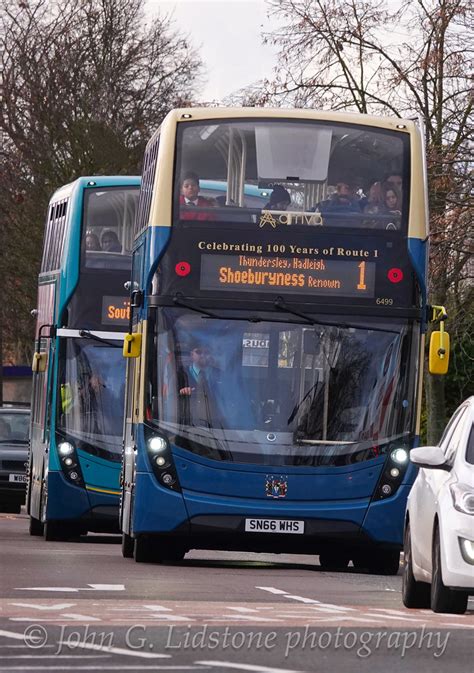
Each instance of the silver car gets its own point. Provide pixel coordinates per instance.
(14, 431)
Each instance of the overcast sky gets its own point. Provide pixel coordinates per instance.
(228, 36)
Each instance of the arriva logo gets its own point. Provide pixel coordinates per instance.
(283, 217)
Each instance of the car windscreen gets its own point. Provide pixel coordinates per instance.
(14, 427)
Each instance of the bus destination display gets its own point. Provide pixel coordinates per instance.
(342, 278)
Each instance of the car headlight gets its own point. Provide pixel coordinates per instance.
(463, 498)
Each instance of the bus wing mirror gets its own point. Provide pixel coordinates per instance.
(132, 345)
(439, 343)
(439, 352)
(39, 362)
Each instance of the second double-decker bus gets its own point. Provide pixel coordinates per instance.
(78, 371)
(276, 351)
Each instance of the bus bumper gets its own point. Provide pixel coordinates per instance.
(98, 511)
(219, 522)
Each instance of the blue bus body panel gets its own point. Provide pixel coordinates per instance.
(66, 501)
(304, 483)
(157, 509)
(99, 473)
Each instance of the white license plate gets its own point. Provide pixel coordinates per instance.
(273, 526)
(21, 478)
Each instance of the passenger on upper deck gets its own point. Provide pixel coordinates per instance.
(392, 199)
(279, 199)
(110, 241)
(92, 241)
(343, 200)
(396, 180)
(189, 197)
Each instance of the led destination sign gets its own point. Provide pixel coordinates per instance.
(115, 310)
(342, 278)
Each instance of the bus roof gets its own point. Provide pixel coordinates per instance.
(99, 180)
(200, 113)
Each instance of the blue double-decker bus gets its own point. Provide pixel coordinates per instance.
(275, 360)
(78, 372)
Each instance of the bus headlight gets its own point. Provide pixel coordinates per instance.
(161, 459)
(395, 467)
(69, 461)
(399, 456)
(157, 444)
(65, 448)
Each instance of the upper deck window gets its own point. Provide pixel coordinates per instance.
(313, 173)
(107, 233)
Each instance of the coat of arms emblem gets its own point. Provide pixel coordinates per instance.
(276, 487)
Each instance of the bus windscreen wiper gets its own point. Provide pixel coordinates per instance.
(85, 334)
(281, 305)
(180, 300)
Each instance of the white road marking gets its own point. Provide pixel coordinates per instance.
(56, 656)
(95, 647)
(398, 619)
(38, 606)
(105, 587)
(136, 667)
(247, 667)
(310, 601)
(89, 587)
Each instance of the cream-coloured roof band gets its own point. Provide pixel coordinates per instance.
(162, 199)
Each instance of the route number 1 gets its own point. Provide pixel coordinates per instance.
(362, 285)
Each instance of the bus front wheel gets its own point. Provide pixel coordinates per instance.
(334, 560)
(128, 545)
(378, 561)
(35, 527)
(155, 549)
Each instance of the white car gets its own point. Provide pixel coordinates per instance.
(439, 521)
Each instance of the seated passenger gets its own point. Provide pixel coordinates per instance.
(189, 197)
(343, 200)
(396, 180)
(110, 242)
(92, 241)
(392, 202)
(279, 199)
(392, 199)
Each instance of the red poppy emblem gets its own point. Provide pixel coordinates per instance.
(182, 268)
(395, 275)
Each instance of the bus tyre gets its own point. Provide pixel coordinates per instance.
(333, 560)
(444, 599)
(384, 562)
(55, 531)
(414, 594)
(35, 527)
(10, 507)
(128, 545)
(144, 550)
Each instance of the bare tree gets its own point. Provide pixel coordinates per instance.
(366, 57)
(84, 83)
